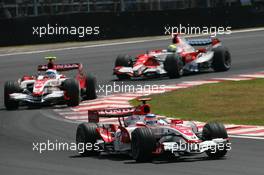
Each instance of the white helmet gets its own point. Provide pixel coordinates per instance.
(51, 73)
(150, 119)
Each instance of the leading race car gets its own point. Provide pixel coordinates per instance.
(180, 57)
(50, 87)
(141, 134)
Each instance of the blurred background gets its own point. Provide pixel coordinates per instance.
(24, 8)
(120, 18)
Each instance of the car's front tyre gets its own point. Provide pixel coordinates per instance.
(9, 88)
(213, 130)
(222, 59)
(173, 65)
(143, 144)
(87, 134)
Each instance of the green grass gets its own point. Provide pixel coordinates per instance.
(228, 102)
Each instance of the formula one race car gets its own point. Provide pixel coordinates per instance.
(142, 135)
(180, 57)
(50, 87)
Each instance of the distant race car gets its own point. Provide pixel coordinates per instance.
(50, 87)
(142, 135)
(180, 57)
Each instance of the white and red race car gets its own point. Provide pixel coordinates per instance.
(142, 135)
(50, 87)
(180, 57)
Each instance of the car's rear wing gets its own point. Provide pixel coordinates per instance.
(203, 42)
(62, 67)
(197, 42)
(95, 115)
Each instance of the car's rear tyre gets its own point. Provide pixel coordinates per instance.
(213, 130)
(71, 87)
(9, 88)
(221, 59)
(90, 87)
(143, 144)
(173, 65)
(124, 61)
(87, 134)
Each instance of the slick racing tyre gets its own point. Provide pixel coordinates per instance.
(173, 65)
(71, 87)
(221, 59)
(211, 131)
(124, 61)
(11, 87)
(90, 87)
(87, 134)
(143, 144)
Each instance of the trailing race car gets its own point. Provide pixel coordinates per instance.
(50, 87)
(141, 135)
(180, 57)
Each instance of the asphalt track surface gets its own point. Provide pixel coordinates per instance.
(19, 129)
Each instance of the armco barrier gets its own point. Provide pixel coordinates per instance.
(127, 24)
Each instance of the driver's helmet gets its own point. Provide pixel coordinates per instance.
(51, 73)
(150, 119)
(172, 48)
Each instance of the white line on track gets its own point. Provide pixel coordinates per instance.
(246, 137)
(244, 130)
(73, 113)
(118, 43)
(199, 82)
(233, 79)
(103, 102)
(254, 76)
